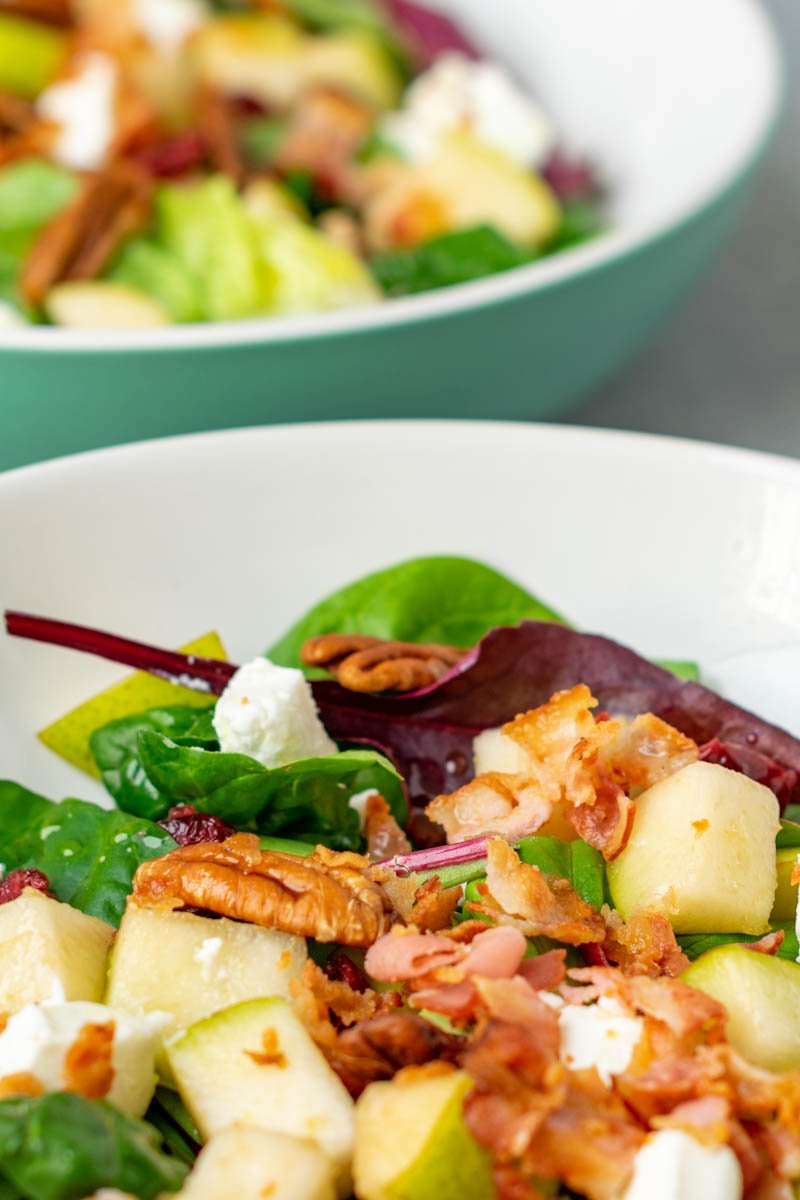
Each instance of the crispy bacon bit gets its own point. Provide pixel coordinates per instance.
(88, 1064)
(270, 1054)
(384, 836)
(15, 883)
(770, 943)
(188, 827)
(216, 117)
(425, 904)
(383, 1045)
(643, 945)
(326, 129)
(519, 894)
(327, 896)
(80, 241)
(367, 664)
(21, 1083)
(511, 806)
(686, 1012)
(545, 971)
(576, 765)
(707, 1119)
(402, 956)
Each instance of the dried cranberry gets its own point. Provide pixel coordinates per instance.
(175, 156)
(737, 756)
(15, 883)
(570, 179)
(248, 106)
(341, 969)
(188, 827)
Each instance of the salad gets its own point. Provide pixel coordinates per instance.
(440, 898)
(170, 161)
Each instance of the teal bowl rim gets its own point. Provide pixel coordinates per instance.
(558, 271)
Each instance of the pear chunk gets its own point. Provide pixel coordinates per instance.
(189, 967)
(412, 1142)
(50, 951)
(251, 1164)
(256, 1064)
(762, 996)
(702, 851)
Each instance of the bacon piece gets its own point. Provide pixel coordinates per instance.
(545, 971)
(519, 894)
(397, 956)
(645, 944)
(770, 943)
(706, 1118)
(425, 904)
(88, 1064)
(384, 836)
(495, 954)
(511, 806)
(80, 241)
(327, 128)
(382, 1045)
(683, 1009)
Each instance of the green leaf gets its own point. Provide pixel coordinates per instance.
(695, 944)
(446, 260)
(576, 862)
(32, 191)
(307, 800)
(62, 1147)
(789, 834)
(89, 854)
(361, 15)
(115, 749)
(581, 221)
(262, 138)
(447, 599)
(683, 668)
(145, 265)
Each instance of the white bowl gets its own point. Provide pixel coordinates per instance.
(673, 100)
(680, 549)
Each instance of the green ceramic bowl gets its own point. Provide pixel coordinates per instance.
(674, 99)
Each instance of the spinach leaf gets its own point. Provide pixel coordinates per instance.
(446, 260)
(789, 833)
(307, 800)
(115, 749)
(683, 668)
(62, 1147)
(89, 854)
(581, 220)
(695, 944)
(169, 1115)
(447, 599)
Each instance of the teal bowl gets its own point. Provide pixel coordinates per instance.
(674, 100)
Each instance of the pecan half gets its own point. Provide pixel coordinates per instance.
(22, 132)
(80, 240)
(367, 664)
(327, 896)
(216, 119)
(52, 12)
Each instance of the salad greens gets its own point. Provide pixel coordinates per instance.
(89, 854)
(62, 1147)
(446, 599)
(307, 800)
(449, 259)
(575, 861)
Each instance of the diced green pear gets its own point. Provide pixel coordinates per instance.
(785, 906)
(308, 271)
(357, 62)
(256, 1064)
(250, 1164)
(189, 966)
(50, 951)
(69, 735)
(30, 54)
(702, 851)
(101, 304)
(412, 1142)
(762, 996)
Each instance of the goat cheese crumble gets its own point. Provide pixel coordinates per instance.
(84, 108)
(672, 1165)
(268, 712)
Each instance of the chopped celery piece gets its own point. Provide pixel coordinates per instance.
(160, 274)
(311, 273)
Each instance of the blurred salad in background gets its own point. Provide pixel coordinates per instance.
(168, 161)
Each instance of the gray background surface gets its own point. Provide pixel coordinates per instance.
(727, 366)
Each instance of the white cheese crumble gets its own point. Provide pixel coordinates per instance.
(672, 1165)
(457, 93)
(359, 802)
(601, 1035)
(205, 954)
(37, 1039)
(167, 23)
(269, 712)
(84, 107)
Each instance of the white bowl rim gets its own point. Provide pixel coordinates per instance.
(60, 471)
(447, 302)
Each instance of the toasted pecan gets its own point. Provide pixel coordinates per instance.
(367, 664)
(80, 240)
(327, 896)
(52, 12)
(22, 132)
(216, 121)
